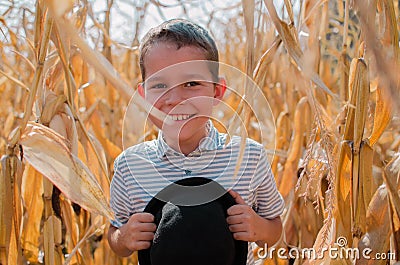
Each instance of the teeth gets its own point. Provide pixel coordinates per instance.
(180, 117)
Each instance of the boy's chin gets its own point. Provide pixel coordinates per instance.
(187, 133)
(181, 136)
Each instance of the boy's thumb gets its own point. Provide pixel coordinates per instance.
(237, 197)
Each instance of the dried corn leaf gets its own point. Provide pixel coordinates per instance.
(325, 238)
(94, 164)
(391, 37)
(5, 213)
(355, 77)
(395, 231)
(14, 252)
(377, 236)
(359, 85)
(99, 130)
(308, 230)
(294, 49)
(282, 138)
(391, 176)
(60, 8)
(360, 82)
(367, 182)
(57, 124)
(16, 81)
(289, 177)
(289, 9)
(364, 188)
(70, 220)
(48, 153)
(8, 124)
(104, 67)
(52, 241)
(32, 192)
(248, 10)
(260, 70)
(343, 184)
(386, 65)
(52, 105)
(382, 115)
(11, 212)
(347, 176)
(97, 224)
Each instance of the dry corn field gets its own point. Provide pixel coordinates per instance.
(329, 69)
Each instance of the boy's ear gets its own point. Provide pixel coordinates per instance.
(219, 90)
(140, 89)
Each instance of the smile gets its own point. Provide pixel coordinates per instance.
(181, 117)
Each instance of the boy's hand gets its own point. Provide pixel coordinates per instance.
(242, 220)
(138, 232)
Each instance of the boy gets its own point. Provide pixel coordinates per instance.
(179, 66)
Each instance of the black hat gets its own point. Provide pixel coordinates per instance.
(190, 215)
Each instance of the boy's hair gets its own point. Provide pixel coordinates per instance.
(180, 32)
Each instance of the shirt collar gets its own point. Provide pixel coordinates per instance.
(208, 143)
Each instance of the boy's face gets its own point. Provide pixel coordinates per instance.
(181, 86)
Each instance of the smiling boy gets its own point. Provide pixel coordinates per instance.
(179, 66)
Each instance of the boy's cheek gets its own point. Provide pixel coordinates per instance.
(155, 121)
(201, 102)
(151, 98)
(156, 102)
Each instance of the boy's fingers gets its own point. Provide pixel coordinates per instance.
(139, 245)
(237, 228)
(241, 236)
(145, 236)
(237, 197)
(234, 219)
(237, 209)
(143, 217)
(146, 227)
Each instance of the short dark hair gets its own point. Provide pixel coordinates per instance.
(183, 33)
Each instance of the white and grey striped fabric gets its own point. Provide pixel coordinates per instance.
(141, 171)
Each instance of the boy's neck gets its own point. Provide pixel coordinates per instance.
(189, 145)
(184, 148)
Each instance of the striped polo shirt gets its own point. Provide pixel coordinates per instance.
(142, 170)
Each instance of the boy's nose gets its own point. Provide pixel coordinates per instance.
(174, 96)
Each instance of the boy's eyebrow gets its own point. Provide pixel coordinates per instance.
(196, 76)
(153, 79)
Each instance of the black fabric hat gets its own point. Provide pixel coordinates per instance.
(190, 215)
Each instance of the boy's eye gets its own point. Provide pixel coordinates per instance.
(158, 86)
(191, 84)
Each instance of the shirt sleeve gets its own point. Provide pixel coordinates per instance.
(119, 197)
(268, 200)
